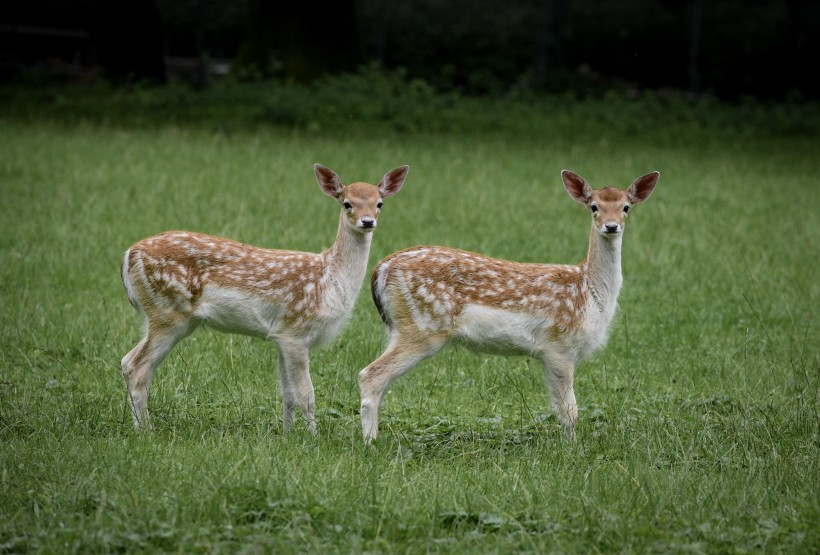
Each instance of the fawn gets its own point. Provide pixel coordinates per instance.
(558, 314)
(298, 300)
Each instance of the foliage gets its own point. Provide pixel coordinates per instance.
(374, 98)
(728, 48)
(698, 423)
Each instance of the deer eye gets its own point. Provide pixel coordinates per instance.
(379, 205)
(347, 205)
(626, 209)
(594, 208)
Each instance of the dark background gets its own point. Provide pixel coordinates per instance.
(732, 49)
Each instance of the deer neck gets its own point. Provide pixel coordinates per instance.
(346, 260)
(603, 270)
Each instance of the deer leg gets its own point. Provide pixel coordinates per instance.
(399, 358)
(288, 399)
(139, 364)
(297, 387)
(560, 372)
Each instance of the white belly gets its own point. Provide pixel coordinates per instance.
(233, 311)
(500, 331)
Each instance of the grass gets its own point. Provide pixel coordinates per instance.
(699, 426)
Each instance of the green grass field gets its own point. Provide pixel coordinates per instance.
(699, 427)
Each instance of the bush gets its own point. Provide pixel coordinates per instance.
(373, 98)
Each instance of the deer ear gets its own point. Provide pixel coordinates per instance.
(330, 183)
(392, 181)
(642, 187)
(576, 186)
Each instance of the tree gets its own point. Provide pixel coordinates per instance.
(129, 40)
(299, 40)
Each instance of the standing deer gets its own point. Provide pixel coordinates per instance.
(298, 300)
(558, 314)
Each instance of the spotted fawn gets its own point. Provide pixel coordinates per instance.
(298, 300)
(558, 314)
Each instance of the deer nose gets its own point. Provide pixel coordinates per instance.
(611, 228)
(368, 222)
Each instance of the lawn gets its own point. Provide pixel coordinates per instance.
(699, 427)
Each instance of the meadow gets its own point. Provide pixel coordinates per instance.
(699, 428)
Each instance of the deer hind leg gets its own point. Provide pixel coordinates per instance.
(399, 358)
(297, 387)
(560, 372)
(139, 364)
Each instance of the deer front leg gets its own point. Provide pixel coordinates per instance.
(297, 387)
(288, 399)
(560, 372)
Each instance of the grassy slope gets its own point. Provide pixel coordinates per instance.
(699, 422)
